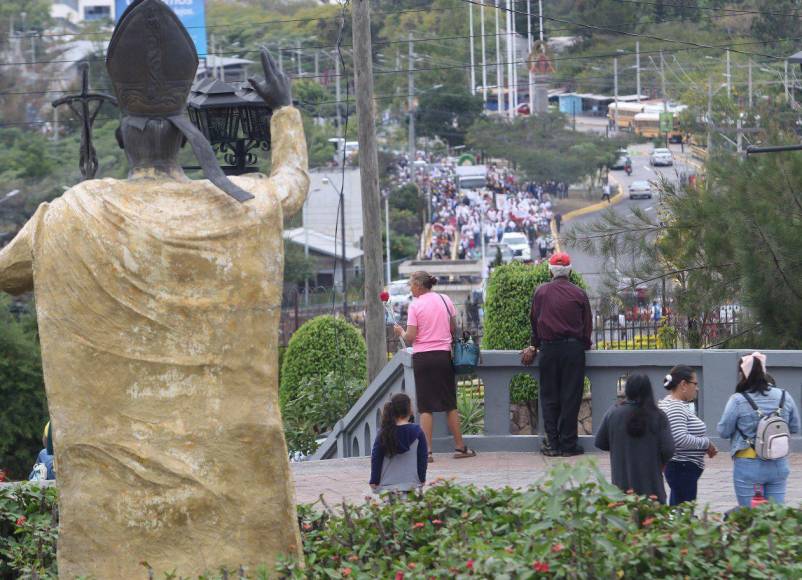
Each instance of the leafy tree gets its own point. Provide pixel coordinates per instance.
(297, 267)
(321, 346)
(447, 113)
(778, 20)
(23, 412)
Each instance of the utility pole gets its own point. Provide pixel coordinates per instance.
(750, 83)
(411, 103)
(375, 332)
(540, 15)
(317, 66)
(739, 135)
(510, 87)
(637, 68)
(484, 55)
(709, 116)
(663, 81)
(338, 93)
(514, 59)
(729, 76)
(298, 57)
(785, 83)
(499, 67)
(615, 92)
(280, 59)
(528, 67)
(388, 272)
(473, 63)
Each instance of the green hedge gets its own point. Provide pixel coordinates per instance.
(322, 346)
(507, 326)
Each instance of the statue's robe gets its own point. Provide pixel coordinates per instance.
(158, 304)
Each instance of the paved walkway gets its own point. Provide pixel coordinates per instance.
(339, 479)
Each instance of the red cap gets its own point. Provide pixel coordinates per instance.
(560, 259)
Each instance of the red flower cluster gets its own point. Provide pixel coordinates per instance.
(384, 296)
(648, 522)
(418, 525)
(469, 564)
(306, 526)
(557, 548)
(21, 520)
(346, 571)
(2, 474)
(437, 522)
(540, 567)
(412, 565)
(399, 576)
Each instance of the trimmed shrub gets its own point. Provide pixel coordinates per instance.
(321, 346)
(507, 327)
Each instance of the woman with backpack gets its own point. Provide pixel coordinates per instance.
(637, 435)
(398, 459)
(758, 421)
(691, 443)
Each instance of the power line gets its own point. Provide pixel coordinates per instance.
(729, 11)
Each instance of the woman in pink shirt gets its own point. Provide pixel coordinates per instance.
(431, 323)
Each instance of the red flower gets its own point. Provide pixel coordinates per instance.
(306, 527)
(353, 558)
(469, 564)
(418, 525)
(384, 296)
(412, 565)
(21, 520)
(557, 548)
(2, 475)
(540, 567)
(346, 571)
(437, 522)
(648, 522)
(653, 497)
(399, 576)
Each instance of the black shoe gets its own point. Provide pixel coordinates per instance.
(572, 452)
(548, 450)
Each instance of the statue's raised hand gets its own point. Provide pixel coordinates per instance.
(275, 90)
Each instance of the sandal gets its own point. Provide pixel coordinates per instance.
(464, 453)
(431, 457)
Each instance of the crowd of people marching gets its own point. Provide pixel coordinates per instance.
(461, 217)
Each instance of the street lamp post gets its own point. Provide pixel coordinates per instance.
(388, 271)
(341, 193)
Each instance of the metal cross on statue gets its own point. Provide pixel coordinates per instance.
(86, 106)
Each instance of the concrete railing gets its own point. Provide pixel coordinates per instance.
(607, 371)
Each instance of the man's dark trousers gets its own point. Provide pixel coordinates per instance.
(562, 377)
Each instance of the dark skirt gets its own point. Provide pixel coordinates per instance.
(435, 382)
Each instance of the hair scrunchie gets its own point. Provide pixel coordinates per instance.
(667, 381)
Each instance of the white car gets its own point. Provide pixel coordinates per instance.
(661, 157)
(519, 244)
(400, 295)
(640, 189)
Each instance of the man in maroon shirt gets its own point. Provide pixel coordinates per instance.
(561, 330)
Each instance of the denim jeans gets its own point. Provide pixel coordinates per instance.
(772, 475)
(682, 478)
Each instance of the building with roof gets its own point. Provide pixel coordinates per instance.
(326, 253)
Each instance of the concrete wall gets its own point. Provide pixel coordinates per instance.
(716, 369)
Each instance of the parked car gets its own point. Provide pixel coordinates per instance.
(640, 189)
(519, 244)
(661, 157)
(400, 295)
(621, 159)
(492, 250)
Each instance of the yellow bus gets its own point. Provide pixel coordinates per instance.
(626, 113)
(647, 125)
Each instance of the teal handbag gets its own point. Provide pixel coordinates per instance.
(465, 352)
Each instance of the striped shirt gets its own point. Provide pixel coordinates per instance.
(688, 430)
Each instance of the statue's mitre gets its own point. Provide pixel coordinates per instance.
(151, 61)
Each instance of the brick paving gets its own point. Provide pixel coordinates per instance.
(347, 479)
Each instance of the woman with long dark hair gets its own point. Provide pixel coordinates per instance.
(739, 424)
(398, 459)
(691, 443)
(637, 435)
(431, 324)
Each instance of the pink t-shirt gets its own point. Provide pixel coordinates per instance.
(428, 313)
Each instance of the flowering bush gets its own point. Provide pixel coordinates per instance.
(571, 525)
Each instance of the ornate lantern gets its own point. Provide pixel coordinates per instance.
(234, 119)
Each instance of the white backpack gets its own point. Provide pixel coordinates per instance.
(772, 438)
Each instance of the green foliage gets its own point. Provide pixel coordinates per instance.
(24, 155)
(571, 525)
(447, 112)
(28, 531)
(23, 412)
(542, 147)
(321, 346)
(319, 404)
(471, 408)
(297, 267)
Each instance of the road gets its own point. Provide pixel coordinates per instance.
(591, 266)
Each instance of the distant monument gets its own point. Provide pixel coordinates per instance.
(158, 301)
(542, 67)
